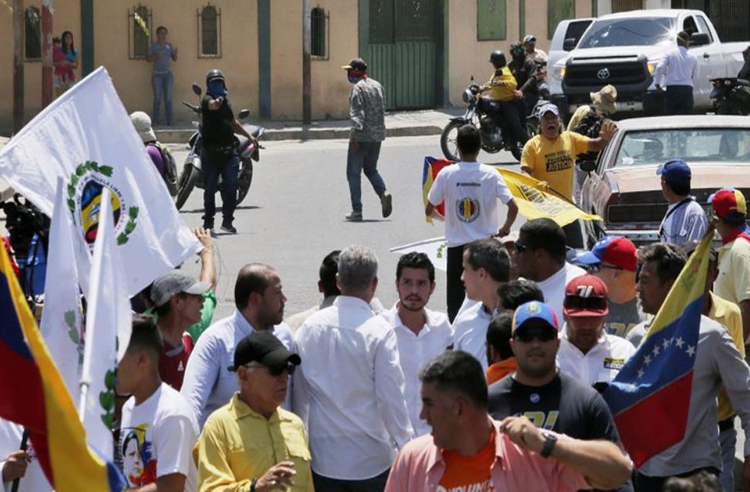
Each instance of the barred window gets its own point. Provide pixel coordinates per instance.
(319, 33)
(209, 32)
(491, 20)
(139, 32)
(32, 36)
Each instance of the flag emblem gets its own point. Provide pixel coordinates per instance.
(467, 210)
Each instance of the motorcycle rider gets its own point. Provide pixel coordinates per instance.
(503, 92)
(524, 70)
(219, 154)
(538, 56)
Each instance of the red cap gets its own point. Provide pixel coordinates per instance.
(585, 296)
(729, 204)
(615, 250)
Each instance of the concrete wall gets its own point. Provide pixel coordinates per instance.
(65, 19)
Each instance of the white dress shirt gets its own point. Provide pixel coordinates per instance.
(679, 67)
(553, 287)
(470, 332)
(349, 391)
(208, 383)
(415, 351)
(600, 364)
(10, 442)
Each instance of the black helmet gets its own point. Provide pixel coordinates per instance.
(516, 49)
(497, 58)
(215, 74)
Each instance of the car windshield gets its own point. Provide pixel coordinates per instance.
(653, 147)
(641, 31)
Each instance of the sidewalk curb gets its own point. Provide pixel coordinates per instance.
(176, 136)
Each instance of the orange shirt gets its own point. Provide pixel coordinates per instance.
(499, 370)
(469, 472)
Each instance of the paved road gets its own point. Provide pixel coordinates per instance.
(294, 216)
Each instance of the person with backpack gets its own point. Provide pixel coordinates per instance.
(587, 121)
(160, 155)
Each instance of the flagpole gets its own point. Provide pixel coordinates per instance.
(104, 209)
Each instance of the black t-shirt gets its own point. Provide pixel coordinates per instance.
(565, 405)
(218, 126)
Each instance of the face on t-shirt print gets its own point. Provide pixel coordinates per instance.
(138, 462)
(558, 161)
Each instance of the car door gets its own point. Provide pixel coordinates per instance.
(572, 29)
(710, 62)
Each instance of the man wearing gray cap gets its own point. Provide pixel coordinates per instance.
(178, 301)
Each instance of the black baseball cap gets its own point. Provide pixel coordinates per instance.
(265, 348)
(356, 64)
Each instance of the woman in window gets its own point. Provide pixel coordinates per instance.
(67, 66)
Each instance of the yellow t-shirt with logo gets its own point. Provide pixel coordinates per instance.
(502, 86)
(553, 161)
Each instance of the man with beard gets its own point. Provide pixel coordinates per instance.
(552, 400)
(259, 301)
(422, 334)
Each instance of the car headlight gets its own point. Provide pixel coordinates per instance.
(652, 66)
(558, 72)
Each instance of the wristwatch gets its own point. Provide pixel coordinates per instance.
(550, 440)
(253, 483)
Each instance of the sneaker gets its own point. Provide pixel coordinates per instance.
(228, 228)
(354, 217)
(386, 201)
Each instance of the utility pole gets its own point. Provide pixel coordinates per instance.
(306, 64)
(17, 65)
(46, 53)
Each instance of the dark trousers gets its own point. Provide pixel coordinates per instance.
(374, 484)
(215, 162)
(363, 156)
(455, 287)
(514, 117)
(678, 100)
(645, 483)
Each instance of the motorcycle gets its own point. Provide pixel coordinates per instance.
(192, 176)
(479, 113)
(731, 96)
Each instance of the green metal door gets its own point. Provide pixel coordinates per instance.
(401, 50)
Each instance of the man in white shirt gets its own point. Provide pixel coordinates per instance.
(678, 72)
(470, 191)
(422, 334)
(259, 301)
(532, 52)
(326, 286)
(157, 429)
(540, 256)
(486, 267)
(350, 390)
(586, 352)
(19, 465)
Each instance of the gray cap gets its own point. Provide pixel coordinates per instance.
(172, 283)
(142, 123)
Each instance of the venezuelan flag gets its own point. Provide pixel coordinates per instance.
(650, 396)
(431, 169)
(33, 394)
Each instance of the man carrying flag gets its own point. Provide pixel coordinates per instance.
(664, 399)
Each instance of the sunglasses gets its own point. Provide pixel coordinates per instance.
(530, 334)
(592, 303)
(277, 371)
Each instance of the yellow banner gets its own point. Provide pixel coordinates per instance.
(535, 200)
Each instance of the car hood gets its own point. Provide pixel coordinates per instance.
(711, 176)
(651, 52)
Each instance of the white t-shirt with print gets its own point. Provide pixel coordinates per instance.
(553, 288)
(470, 191)
(157, 439)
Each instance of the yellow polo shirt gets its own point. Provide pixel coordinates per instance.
(502, 87)
(553, 161)
(728, 314)
(238, 444)
(733, 282)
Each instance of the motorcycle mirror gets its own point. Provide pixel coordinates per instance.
(472, 79)
(197, 89)
(243, 114)
(588, 166)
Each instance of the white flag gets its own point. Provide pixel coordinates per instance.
(86, 138)
(61, 319)
(108, 328)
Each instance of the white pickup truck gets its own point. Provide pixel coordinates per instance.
(624, 49)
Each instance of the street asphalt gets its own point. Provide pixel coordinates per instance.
(294, 216)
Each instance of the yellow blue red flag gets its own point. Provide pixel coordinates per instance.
(650, 396)
(33, 394)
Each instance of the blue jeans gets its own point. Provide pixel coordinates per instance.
(728, 441)
(363, 158)
(162, 84)
(215, 162)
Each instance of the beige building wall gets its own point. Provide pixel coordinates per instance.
(132, 78)
(66, 18)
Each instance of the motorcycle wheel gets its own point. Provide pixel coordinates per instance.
(245, 180)
(185, 184)
(516, 151)
(729, 109)
(532, 127)
(448, 140)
